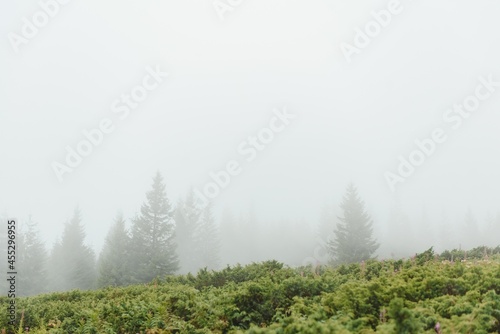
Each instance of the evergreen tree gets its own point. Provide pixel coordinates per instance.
(71, 264)
(32, 257)
(115, 255)
(55, 269)
(353, 238)
(207, 241)
(187, 216)
(78, 260)
(153, 236)
(403, 318)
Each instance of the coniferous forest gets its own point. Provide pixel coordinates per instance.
(249, 167)
(164, 274)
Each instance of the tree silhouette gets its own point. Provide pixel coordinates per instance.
(207, 241)
(115, 256)
(153, 236)
(32, 261)
(353, 240)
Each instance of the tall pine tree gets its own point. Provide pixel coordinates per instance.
(72, 263)
(187, 216)
(207, 241)
(115, 255)
(55, 269)
(153, 236)
(353, 240)
(31, 261)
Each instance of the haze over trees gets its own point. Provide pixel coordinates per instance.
(72, 263)
(115, 259)
(207, 241)
(32, 257)
(162, 240)
(187, 216)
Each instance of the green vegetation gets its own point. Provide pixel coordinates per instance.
(404, 296)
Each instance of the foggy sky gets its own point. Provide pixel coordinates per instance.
(225, 79)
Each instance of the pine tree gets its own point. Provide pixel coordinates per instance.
(353, 238)
(55, 269)
(187, 216)
(115, 255)
(32, 257)
(153, 236)
(207, 242)
(72, 263)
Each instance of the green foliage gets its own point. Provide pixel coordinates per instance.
(268, 297)
(405, 322)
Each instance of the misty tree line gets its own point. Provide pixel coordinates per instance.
(153, 247)
(163, 240)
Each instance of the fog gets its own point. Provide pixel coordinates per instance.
(293, 100)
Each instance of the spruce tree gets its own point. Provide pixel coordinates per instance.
(207, 242)
(115, 255)
(55, 268)
(77, 260)
(353, 240)
(32, 257)
(187, 216)
(153, 236)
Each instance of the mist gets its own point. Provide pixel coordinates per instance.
(267, 110)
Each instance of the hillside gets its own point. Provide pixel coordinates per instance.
(405, 296)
